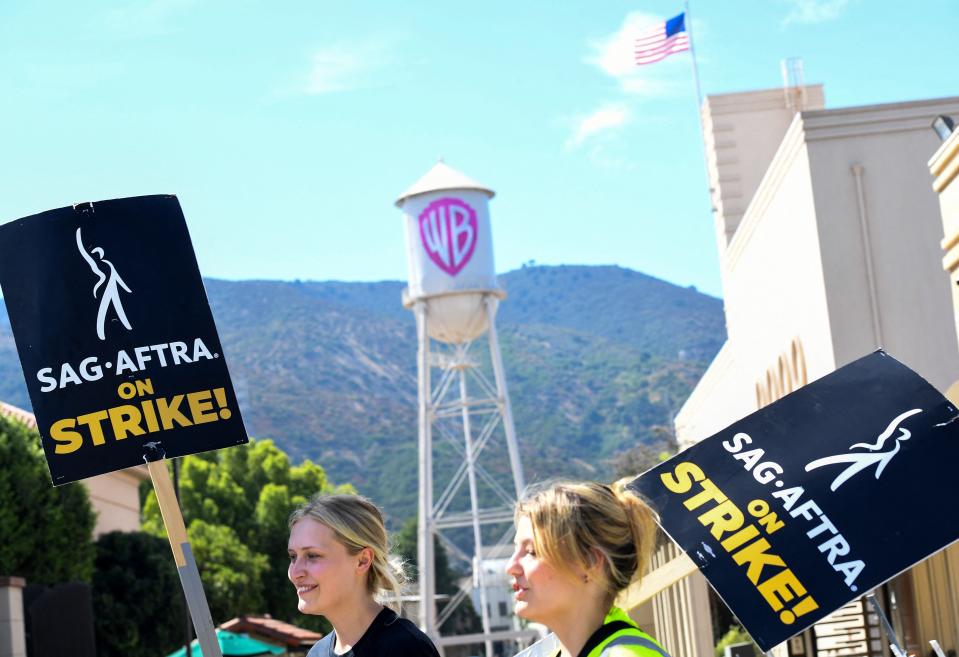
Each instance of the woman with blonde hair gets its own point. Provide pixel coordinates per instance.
(339, 565)
(577, 546)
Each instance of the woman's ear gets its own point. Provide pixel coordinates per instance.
(596, 562)
(364, 560)
(592, 571)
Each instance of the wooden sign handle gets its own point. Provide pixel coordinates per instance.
(183, 556)
(169, 509)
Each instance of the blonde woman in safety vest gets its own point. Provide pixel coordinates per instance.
(577, 546)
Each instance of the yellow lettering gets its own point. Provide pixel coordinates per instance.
(92, 422)
(747, 533)
(781, 588)
(70, 441)
(144, 416)
(724, 517)
(755, 555)
(689, 472)
(125, 420)
(126, 390)
(771, 523)
(150, 415)
(709, 492)
(169, 411)
(201, 407)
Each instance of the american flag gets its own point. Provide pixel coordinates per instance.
(662, 40)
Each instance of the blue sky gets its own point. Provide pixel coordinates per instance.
(288, 128)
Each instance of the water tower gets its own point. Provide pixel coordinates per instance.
(454, 294)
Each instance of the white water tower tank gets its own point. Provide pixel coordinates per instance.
(449, 248)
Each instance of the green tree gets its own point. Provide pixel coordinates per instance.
(136, 596)
(233, 573)
(235, 504)
(47, 532)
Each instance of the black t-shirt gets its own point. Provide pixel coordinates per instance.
(387, 636)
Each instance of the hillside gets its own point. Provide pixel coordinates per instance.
(595, 357)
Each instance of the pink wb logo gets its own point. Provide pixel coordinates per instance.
(448, 231)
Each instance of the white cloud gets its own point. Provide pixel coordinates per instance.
(343, 66)
(595, 134)
(613, 55)
(814, 11)
(601, 121)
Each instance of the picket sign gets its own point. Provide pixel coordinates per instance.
(121, 359)
(770, 509)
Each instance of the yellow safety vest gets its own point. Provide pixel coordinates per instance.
(627, 641)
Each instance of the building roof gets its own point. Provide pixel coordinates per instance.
(272, 630)
(18, 414)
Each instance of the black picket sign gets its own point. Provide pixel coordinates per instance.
(115, 336)
(808, 503)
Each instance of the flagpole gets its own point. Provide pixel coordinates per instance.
(699, 100)
(692, 51)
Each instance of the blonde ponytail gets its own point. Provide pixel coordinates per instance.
(573, 521)
(642, 521)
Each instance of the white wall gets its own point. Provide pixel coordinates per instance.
(914, 312)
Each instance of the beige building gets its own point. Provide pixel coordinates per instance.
(115, 496)
(944, 167)
(829, 243)
(942, 572)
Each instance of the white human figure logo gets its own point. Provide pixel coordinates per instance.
(859, 461)
(110, 295)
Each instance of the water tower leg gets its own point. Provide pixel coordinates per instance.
(474, 512)
(424, 542)
(519, 481)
